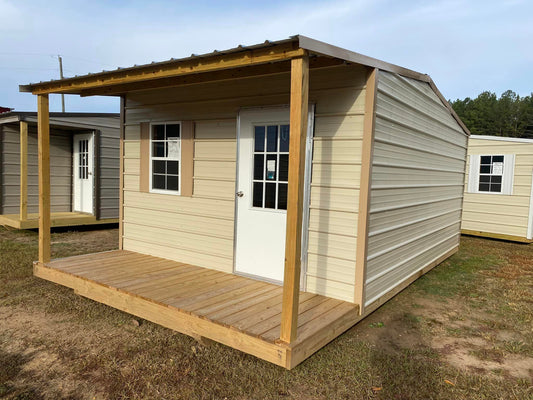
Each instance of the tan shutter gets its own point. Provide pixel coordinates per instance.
(144, 182)
(187, 154)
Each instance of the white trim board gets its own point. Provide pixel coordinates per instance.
(502, 138)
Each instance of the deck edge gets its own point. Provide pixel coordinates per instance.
(166, 316)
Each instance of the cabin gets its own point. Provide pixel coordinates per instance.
(271, 195)
(498, 200)
(84, 173)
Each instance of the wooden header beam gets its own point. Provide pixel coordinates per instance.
(170, 69)
(43, 137)
(215, 76)
(299, 107)
(23, 207)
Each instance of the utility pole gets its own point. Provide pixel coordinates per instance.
(61, 76)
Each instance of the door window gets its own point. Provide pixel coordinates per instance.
(270, 166)
(83, 159)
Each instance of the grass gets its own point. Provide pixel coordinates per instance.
(55, 344)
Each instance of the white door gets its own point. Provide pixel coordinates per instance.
(83, 172)
(263, 167)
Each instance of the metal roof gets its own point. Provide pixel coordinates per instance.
(312, 45)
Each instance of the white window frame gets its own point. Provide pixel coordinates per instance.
(507, 177)
(166, 191)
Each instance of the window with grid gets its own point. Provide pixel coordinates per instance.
(165, 157)
(491, 173)
(270, 166)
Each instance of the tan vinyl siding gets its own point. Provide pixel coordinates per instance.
(60, 170)
(206, 221)
(334, 197)
(499, 213)
(416, 184)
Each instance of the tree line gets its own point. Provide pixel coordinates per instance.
(508, 115)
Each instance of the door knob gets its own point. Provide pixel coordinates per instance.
(239, 193)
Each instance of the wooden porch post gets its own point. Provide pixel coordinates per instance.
(365, 185)
(23, 208)
(293, 242)
(43, 133)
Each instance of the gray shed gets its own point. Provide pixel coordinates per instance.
(84, 155)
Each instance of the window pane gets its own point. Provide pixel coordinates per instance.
(484, 178)
(484, 169)
(284, 138)
(259, 160)
(172, 167)
(284, 167)
(158, 167)
(485, 159)
(272, 138)
(158, 181)
(484, 187)
(172, 182)
(496, 187)
(271, 167)
(497, 168)
(173, 131)
(173, 148)
(497, 158)
(496, 179)
(158, 149)
(258, 194)
(259, 138)
(270, 195)
(158, 132)
(282, 196)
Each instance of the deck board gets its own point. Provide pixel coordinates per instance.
(237, 311)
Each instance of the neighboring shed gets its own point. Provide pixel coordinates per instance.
(225, 233)
(498, 200)
(84, 158)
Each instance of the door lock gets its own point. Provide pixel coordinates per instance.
(240, 193)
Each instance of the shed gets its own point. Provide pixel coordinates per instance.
(272, 195)
(498, 201)
(84, 174)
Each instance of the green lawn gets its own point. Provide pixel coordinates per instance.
(463, 331)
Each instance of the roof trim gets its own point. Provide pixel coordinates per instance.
(502, 138)
(322, 48)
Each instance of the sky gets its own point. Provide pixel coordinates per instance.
(466, 46)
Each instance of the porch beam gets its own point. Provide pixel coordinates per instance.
(299, 107)
(23, 207)
(216, 76)
(365, 184)
(43, 135)
(169, 69)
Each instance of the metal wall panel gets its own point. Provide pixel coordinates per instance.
(416, 184)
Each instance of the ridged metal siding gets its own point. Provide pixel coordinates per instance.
(61, 163)
(416, 185)
(60, 170)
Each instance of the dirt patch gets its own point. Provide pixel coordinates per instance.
(42, 368)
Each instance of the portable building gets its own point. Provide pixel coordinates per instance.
(84, 174)
(498, 199)
(272, 195)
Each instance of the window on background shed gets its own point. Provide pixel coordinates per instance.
(492, 173)
(165, 157)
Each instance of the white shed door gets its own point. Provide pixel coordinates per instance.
(83, 165)
(263, 172)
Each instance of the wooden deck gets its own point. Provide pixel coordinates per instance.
(57, 219)
(239, 312)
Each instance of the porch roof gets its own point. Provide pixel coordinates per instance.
(265, 58)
